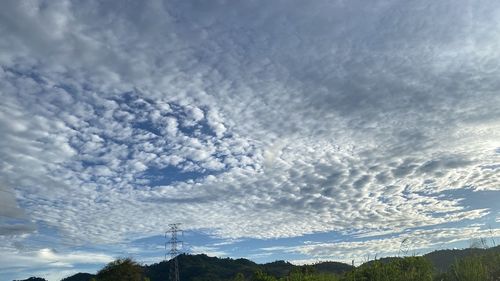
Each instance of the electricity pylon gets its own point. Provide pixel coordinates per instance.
(174, 250)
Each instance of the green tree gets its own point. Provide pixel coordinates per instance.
(259, 275)
(239, 277)
(121, 270)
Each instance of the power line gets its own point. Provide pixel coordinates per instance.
(174, 251)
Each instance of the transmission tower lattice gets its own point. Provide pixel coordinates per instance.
(173, 250)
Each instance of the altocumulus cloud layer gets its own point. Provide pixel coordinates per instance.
(250, 119)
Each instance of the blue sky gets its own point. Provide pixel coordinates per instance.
(290, 130)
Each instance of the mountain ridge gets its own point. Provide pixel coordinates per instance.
(202, 267)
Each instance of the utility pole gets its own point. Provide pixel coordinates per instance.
(174, 251)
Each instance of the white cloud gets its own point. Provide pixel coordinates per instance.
(47, 262)
(300, 118)
(209, 251)
(49, 256)
(409, 243)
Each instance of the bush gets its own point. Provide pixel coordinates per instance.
(475, 268)
(261, 276)
(406, 269)
(121, 270)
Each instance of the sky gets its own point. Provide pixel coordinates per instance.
(271, 130)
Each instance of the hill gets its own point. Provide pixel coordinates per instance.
(201, 267)
(332, 267)
(205, 268)
(443, 259)
(79, 277)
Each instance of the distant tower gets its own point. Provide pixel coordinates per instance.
(174, 251)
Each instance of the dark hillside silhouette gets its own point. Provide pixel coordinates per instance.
(205, 268)
(79, 277)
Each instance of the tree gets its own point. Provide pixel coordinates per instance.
(259, 275)
(121, 270)
(239, 277)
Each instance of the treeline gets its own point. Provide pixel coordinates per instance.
(472, 268)
(484, 267)
(444, 265)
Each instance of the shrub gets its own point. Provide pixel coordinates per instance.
(121, 270)
(406, 269)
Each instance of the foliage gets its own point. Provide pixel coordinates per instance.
(332, 267)
(405, 269)
(444, 258)
(468, 269)
(278, 268)
(473, 268)
(121, 270)
(476, 267)
(306, 273)
(239, 277)
(262, 276)
(311, 276)
(205, 268)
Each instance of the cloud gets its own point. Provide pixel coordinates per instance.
(16, 228)
(209, 251)
(409, 243)
(47, 262)
(290, 117)
(10, 209)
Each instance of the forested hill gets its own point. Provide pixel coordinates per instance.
(205, 268)
(79, 277)
(442, 259)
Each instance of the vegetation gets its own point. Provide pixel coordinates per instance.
(405, 269)
(474, 268)
(302, 274)
(79, 277)
(444, 265)
(444, 258)
(121, 270)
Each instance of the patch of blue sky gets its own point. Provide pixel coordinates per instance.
(92, 162)
(131, 102)
(482, 199)
(148, 126)
(170, 175)
(201, 128)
